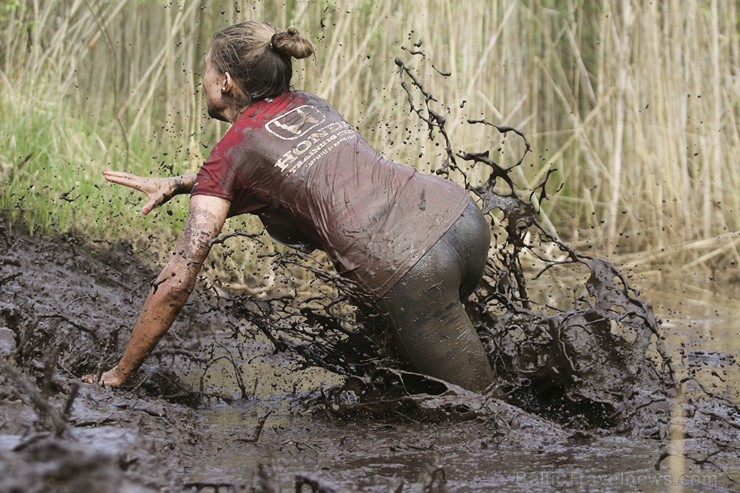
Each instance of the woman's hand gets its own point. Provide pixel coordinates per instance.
(112, 377)
(158, 190)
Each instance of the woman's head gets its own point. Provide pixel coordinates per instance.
(257, 60)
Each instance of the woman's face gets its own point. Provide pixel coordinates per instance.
(213, 85)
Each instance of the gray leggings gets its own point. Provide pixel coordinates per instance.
(432, 332)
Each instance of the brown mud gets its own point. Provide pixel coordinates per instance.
(284, 391)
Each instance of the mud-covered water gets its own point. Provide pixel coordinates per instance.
(377, 456)
(190, 423)
(531, 455)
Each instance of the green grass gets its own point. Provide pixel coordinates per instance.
(51, 170)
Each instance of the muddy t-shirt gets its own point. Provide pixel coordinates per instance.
(314, 181)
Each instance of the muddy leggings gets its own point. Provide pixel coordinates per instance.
(432, 332)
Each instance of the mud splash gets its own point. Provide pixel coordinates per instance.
(594, 361)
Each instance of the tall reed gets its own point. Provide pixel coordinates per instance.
(634, 102)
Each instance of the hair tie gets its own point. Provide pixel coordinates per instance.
(272, 40)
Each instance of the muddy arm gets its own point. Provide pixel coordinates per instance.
(173, 286)
(158, 190)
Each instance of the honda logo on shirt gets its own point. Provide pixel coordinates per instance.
(295, 123)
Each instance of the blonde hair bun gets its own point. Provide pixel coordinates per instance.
(291, 43)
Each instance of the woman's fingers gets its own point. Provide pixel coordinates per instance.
(158, 190)
(153, 202)
(110, 377)
(123, 178)
(117, 176)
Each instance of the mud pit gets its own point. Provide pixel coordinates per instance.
(290, 390)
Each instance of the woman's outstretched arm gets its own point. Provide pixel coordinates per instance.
(170, 291)
(158, 190)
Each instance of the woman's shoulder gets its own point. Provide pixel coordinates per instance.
(262, 111)
(312, 99)
(304, 95)
(282, 115)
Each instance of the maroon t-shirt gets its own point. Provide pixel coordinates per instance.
(314, 181)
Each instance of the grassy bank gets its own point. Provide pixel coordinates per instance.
(634, 102)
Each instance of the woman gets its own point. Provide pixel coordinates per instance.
(413, 243)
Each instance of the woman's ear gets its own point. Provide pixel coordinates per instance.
(228, 84)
